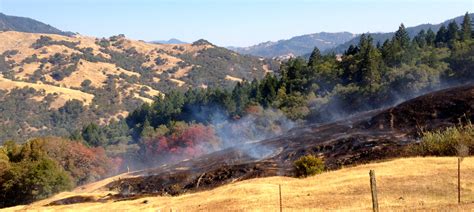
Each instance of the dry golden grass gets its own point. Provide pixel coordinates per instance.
(178, 82)
(266, 68)
(95, 72)
(115, 117)
(27, 70)
(403, 184)
(22, 42)
(64, 94)
(182, 72)
(151, 50)
(231, 78)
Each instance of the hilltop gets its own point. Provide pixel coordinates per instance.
(22, 24)
(403, 184)
(170, 41)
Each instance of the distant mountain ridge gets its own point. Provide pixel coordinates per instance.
(381, 37)
(22, 24)
(170, 41)
(297, 46)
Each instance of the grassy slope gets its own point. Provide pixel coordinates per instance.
(412, 183)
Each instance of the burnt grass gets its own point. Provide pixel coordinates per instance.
(371, 136)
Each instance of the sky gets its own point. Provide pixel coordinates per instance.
(232, 22)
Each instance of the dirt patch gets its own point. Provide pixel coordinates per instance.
(231, 78)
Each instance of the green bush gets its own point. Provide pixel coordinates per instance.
(308, 165)
(447, 142)
(29, 174)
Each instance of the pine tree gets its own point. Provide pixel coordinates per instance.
(401, 37)
(352, 50)
(315, 57)
(441, 35)
(370, 64)
(430, 37)
(453, 32)
(466, 30)
(420, 39)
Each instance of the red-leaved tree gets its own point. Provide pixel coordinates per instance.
(192, 141)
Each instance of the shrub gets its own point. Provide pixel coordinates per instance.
(445, 143)
(86, 83)
(160, 61)
(308, 165)
(30, 174)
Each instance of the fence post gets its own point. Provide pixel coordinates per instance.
(373, 190)
(459, 180)
(279, 191)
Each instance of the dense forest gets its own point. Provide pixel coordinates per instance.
(186, 124)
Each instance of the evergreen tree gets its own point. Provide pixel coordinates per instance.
(441, 36)
(420, 39)
(93, 136)
(315, 57)
(466, 29)
(401, 37)
(370, 64)
(430, 37)
(352, 50)
(147, 130)
(241, 96)
(453, 32)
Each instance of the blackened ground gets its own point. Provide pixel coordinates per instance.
(359, 139)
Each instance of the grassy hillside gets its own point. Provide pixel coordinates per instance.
(403, 184)
(107, 77)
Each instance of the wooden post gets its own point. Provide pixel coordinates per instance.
(279, 191)
(459, 180)
(373, 189)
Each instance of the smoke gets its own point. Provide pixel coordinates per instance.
(245, 133)
(241, 134)
(345, 101)
(264, 124)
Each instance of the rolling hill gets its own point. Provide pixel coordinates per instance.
(326, 42)
(107, 77)
(403, 184)
(296, 46)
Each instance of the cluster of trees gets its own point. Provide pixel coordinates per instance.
(48, 41)
(44, 166)
(366, 76)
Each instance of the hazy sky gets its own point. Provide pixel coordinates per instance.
(232, 22)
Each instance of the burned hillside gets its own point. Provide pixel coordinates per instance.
(366, 137)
